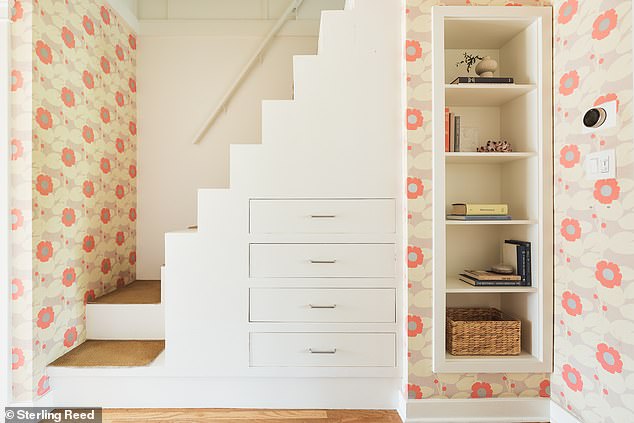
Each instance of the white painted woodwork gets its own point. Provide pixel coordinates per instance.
(323, 349)
(323, 216)
(322, 305)
(479, 410)
(315, 149)
(173, 99)
(125, 321)
(520, 114)
(5, 189)
(322, 261)
(484, 94)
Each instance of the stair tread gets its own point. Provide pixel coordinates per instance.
(137, 292)
(108, 353)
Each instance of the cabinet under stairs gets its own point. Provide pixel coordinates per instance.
(290, 293)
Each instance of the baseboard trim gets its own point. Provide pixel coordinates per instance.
(559, 415)
(476, 410)
(111, 391)
(401, 406)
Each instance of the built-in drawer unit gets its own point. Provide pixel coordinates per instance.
(322, 260)
(323, 349)
(362, 216)
(322, 305)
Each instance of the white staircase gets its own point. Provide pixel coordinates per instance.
(126, 321)
(336, 152)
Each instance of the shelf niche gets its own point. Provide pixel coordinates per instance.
(519, 39)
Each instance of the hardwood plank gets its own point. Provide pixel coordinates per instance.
(175, 415)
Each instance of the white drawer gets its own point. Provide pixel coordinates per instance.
(366, 216)
(322, 305)
(323, 350)
(321, 260)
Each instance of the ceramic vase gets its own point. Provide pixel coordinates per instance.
(486, 67)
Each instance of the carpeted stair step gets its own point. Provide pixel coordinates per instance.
(137, 292)
(102, 353)
(130, 313)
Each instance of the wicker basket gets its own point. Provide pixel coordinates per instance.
(482, 331)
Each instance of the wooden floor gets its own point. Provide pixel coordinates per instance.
(250, 416)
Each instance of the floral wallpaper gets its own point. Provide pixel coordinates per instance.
(423, 382)
(594, 234)
(74, 170)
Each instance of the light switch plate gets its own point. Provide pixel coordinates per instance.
(601, 165)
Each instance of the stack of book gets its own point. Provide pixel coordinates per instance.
(452, 131)
(516, 254)
(468, 211)
(485, 278)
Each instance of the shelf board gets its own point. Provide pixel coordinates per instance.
(490, 222)
(456, 286)
(484, 94)
(486, 158)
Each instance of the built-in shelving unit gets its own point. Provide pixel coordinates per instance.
(519, 39)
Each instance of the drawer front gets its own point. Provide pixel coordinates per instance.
(323, 350)
(321, 260)
(322, 305)
(322, 216)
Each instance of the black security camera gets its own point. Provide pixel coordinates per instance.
(594, 117)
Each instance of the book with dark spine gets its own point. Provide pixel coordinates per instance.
(482, 80)
(456, 146)
(477, 282)
(524, 251)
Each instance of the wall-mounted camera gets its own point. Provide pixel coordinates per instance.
(600, 117)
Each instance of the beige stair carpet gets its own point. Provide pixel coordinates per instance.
(137, 292)
(98, 353)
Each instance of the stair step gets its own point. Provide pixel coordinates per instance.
(133, 312)
(95, 353)
(137, 292)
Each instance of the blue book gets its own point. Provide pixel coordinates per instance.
(523, 260)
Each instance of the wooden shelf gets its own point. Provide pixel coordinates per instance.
(490, 222)
(456, 286)
(486, 158)
(484, 94)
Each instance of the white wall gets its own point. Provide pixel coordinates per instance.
(229, 9)
(180, 80)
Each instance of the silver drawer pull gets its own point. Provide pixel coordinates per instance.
(323, 261)
(332, 351)
(322, 306)
(322, 216)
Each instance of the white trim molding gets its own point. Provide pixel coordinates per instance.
(123, 9)
(5, 124)
(560, 415)
(476, 410)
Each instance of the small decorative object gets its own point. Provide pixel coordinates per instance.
(502, 269)
(486, 67)
(495, 147)
(469, 60)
